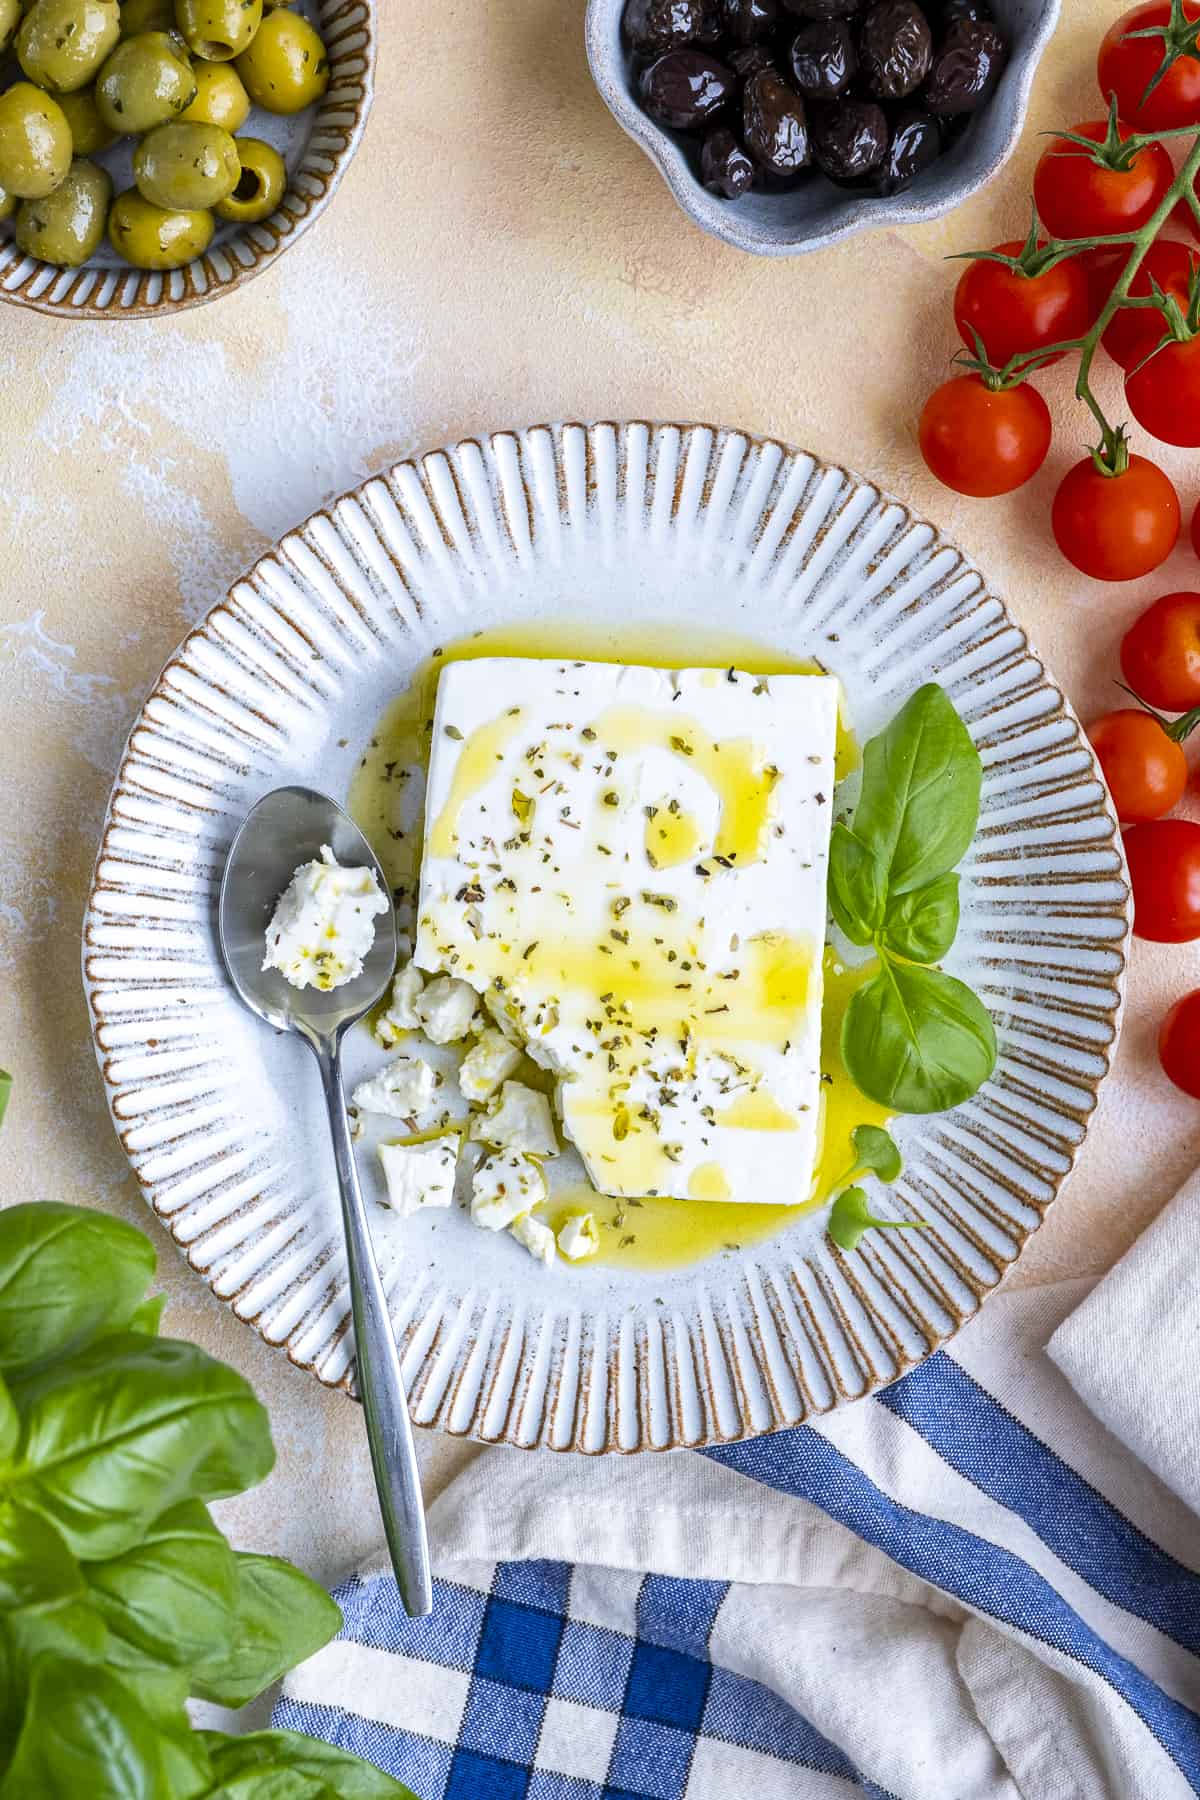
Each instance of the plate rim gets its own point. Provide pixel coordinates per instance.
(712, 1434)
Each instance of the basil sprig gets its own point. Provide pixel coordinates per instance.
(119, 1597)
(914, 1039)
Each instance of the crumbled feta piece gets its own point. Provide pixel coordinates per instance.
(401, 1015)
(402, 1090)
(503, 1187)
(420, 1174)
(487, 1063)
(519, 1120)
(446, 1009)
(579, 1237)
(324, 923)
(537, 1238)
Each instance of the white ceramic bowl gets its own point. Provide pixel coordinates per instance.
(316, 145)
(612, 527)
(817, 214)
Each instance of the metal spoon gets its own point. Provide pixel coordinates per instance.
(285, 829)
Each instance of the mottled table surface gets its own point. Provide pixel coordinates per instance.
(498, 254)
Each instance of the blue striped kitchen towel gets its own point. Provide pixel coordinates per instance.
(961, 1589)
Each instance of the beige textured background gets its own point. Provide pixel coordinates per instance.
(498, 254)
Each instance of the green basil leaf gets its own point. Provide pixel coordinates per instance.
(850, 1217)
(920, 792)
(36, 1567)
(280, 1618)
(923, 924)
(856, 891)
(10, 1424)
(917, 1041)
(344, 1775)
(148, 1316)
(171, 1598)
(67, 1274)
(114, 1436)
(877, 1150)
(85, 1734)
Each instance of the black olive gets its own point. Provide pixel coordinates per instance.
(824, 9)
(916, 142)
(685, 87)
(967, 67)
(953, 10)
(895, 48)
(748, 59)
(850, 139)
(725, 168)
(824, 60)
(749, 21)
(776, 129)
(657, 25)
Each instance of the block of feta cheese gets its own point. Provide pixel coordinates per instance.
(402, 1089)
(503, 1187)
(520, 1119)
(491, 1059)
(630, 863)
(324, 923)
(420, 1175)
(578, 1236)
(401, 1014)
(537, 1238)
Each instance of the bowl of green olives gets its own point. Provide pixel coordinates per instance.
(155, 154)
(783, 126)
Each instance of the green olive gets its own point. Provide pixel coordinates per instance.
(8, 204)
(146, 81)
(218, 30)
(260, 186)
(186, 167)
(62, 43)
(146, 15)
(150, 237)
(68, 225)
(89, 133)
(220, 97)
(10, 18)
(35, 142)
(286, 68)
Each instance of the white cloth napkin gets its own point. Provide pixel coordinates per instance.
(1132, 1350)
(958, 1590)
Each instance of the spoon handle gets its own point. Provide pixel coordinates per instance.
(380, 1383)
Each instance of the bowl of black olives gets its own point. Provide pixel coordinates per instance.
(784, 125)
(155, 154)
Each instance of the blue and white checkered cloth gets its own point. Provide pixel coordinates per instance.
(962, 1589)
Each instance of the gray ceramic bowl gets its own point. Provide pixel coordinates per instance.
(817, 214)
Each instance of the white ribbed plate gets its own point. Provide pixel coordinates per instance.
(615, 525)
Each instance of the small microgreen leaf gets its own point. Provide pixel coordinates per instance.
(876, 1150)
(850, 1218)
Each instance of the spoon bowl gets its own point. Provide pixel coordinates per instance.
(287, 828)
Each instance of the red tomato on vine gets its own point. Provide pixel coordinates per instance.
(1014, 312)
(1179, 1044)
(1164, 867)
(1147, 62)
(1134, 331)
(1086, 192)
(1116, 527)
(1164, 393)
(982, 440)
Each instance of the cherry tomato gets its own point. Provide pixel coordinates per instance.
(1160, 653)
(983, 441)
(1164, 867)
(1145, 770)
(1179, 1044)
(1134, 331)
(1196, 529)
(1116, 527)
(1164, 394)
(1015, 313)
(1127, 65)
(1078, 197)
